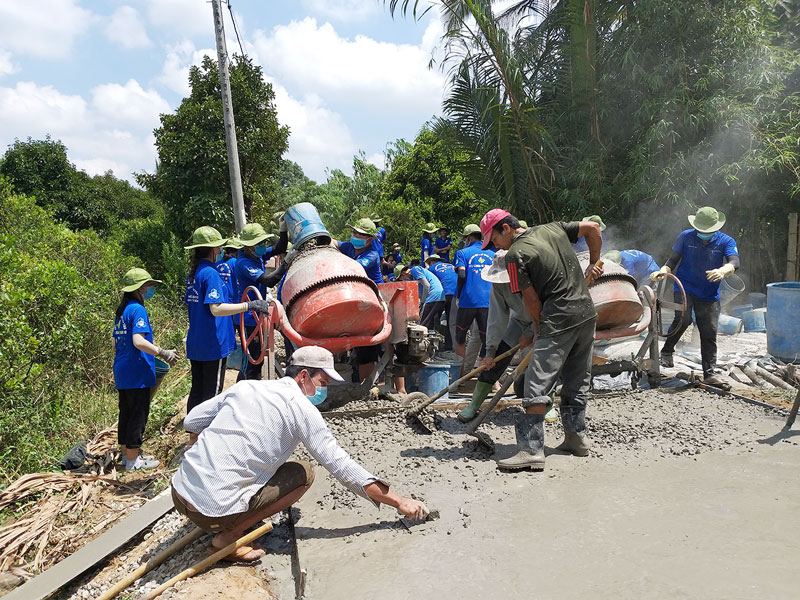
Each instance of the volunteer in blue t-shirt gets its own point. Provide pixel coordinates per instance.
(360, 248)
(426, 245)
(638, 264)
(446, 274)
(210, 338)
(580, 245)
(135, 366)
(250, 272)
(380, 237)
(442, 244)
(704, 257)
(226, 267)
(396, 254)
(432, 295)
(473, 291)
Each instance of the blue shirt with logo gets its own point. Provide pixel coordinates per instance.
(476, 290)
(248, 270)
(228, 276)
(582, 246)
(426, 249)
(697, 257)
(133, 369)
(638, 264)
(446, 274)
(209, 337)
(368, 259)
(442, 243)
(436, 292)
(379, 240)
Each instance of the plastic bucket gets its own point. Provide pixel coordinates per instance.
(162, 369)
(729, 325)
(783, 326)
(453, 360)
(755, 320)
(757, 299)
(433, 378)
(303, 223)
(731, 286)
(738, 311)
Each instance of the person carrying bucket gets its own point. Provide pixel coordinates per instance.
(135, 366)
(249, 271)
(704, 256)
(210, 338)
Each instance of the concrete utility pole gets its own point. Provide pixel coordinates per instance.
(227, 113)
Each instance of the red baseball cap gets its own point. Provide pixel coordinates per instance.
(489, 220)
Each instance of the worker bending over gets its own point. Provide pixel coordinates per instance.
(238, 473)
(543, 267)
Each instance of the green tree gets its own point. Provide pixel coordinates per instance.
(191, 178)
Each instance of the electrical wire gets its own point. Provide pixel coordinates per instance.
(236, 29)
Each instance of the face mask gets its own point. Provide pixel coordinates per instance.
(357, 242)
(705, 236)
(261, 250)
(149, 292)
(319, 397)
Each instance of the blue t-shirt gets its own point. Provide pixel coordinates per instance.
(209, 337)
(476, 290)
(426, 249)
(379, 240)
(228, 276)
(638, 264)
(398, 256)
(582, 246)
(435, 293)
(248, 270)
(133, 369)
(446, 274)
(368, 259)
(441, 243)
(699, 257)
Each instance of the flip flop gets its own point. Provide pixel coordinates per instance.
(240, 554)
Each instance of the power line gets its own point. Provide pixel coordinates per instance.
(236, 29)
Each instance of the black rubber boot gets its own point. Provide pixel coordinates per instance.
(666, 359)
(573, 418)
(530, 444)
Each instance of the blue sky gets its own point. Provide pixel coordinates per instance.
(96, 74)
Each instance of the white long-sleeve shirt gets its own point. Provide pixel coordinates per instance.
(246, 433)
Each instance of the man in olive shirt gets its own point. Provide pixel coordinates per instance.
(543, 267)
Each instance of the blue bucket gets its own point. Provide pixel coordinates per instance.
(755, 320)
(304, 223)
(453, 360)
(730, 325)
(757, 299)
(783, 326)
(433, 379)
(730, 288)
(738, 311)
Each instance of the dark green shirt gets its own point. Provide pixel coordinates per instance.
(543, 258)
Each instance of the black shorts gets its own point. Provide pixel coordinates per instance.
(134, 408)
(464, 321)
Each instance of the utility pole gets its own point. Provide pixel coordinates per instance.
(227, 113)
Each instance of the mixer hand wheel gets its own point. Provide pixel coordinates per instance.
(263, 329)
(665, 299)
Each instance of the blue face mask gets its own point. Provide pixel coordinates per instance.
(357, 241)
(705, 236)
(149, 293)
(319, 397)
(261, 250)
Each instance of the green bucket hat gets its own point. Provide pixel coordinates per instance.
(596, 219)
(375, 218)
(253, 234)
(365, 226)
(206, 237)
(136, 278)
(523, 224)
(470, 229)
(233, 242)
(707, 219)
(430, 228)
(398, 270)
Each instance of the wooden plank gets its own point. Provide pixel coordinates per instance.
(76, 564)
(792, 250)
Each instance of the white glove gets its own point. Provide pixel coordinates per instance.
(660, 274)
(169, 356)
(721, 273)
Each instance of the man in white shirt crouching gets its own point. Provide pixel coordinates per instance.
(237, 473)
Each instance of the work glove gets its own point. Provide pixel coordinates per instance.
(282, 223)
(660, 274)
(721, 273)
(170, 356)
(261, 306)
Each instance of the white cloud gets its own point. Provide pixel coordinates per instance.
(175, 72)
(343, 10)
(378, 159)
(181, 17)
(44, 28)
(95, 140)
(7, 66)
(126, 28)
(382, 76)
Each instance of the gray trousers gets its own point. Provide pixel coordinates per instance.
(567, 355)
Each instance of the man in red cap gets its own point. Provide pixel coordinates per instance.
(543, 267)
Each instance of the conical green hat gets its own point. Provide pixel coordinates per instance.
(207, 237)
(136, 278)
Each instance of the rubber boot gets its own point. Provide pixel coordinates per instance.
(573, 418)
(478, 396)
(530, 444)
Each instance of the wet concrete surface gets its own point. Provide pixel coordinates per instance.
(686, 495)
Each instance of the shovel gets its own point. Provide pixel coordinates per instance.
(484, 438)
(413, 412)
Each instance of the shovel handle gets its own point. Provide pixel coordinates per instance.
(422, 405)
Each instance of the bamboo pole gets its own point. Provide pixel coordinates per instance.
(207, 562)
(792, 249)
(152, 563)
